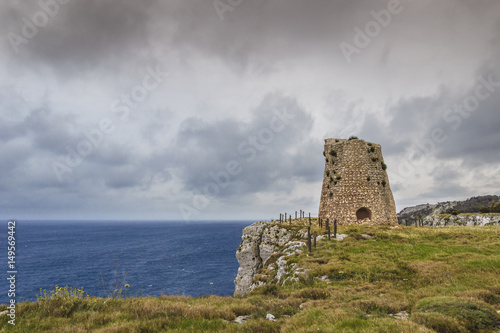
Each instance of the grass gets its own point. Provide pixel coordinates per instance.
(446, 279)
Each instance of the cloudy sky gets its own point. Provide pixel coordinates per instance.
(201, 109)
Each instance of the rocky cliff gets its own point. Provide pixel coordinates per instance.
(258, 243)
(264, 255)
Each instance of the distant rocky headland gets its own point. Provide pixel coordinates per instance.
(476, 211)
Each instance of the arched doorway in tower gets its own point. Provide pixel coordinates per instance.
(363, 213)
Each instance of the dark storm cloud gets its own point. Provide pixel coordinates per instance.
(87, 34)
(405, 120)
(471, 123)
(44, 129)
(374, 130)
(28, 140)
(267, 162)
(91, 34)
(81, 35)
(268, 159)
(259, 33)
(35, 141)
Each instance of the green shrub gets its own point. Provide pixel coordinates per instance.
(494, 208)
(339, 177)
(372, 149)
(484, 209)
(384, 166)
(313, 293)
(333, 153)
(328, 173)
(473, 315)
(356, 236)
(268, 289)
(383, 183)
(353, 137)
(374, 159)
(368, 179)
(438, 322)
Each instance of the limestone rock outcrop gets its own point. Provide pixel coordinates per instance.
(479, 220)
(258, 242)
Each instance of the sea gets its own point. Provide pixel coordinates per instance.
(152, 257)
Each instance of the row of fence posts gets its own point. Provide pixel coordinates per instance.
(283, 218)
(288, 217)
(327, 226)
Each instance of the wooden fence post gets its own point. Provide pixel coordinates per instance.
(328, 228)
(309, 239)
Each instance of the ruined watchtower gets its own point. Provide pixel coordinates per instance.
(355, 184)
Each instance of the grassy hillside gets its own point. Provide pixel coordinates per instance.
(446, 279)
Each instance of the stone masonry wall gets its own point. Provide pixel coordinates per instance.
(355, 184)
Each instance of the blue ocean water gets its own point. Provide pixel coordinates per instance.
(154, 258)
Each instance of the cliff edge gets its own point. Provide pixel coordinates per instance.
(258, 242)
(264, 254)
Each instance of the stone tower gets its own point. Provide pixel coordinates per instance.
(355, 184)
